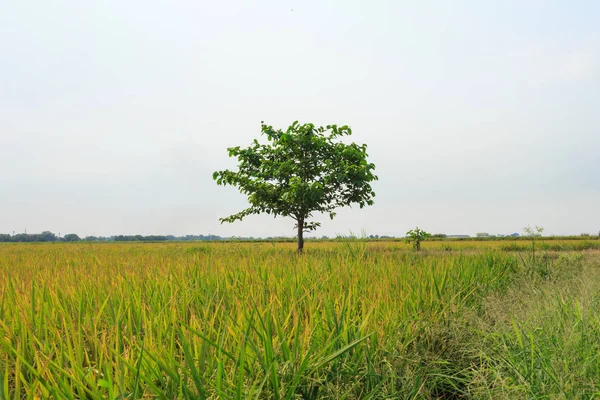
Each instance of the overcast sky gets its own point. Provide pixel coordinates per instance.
(480, 116)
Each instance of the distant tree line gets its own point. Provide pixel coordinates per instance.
(47, 236)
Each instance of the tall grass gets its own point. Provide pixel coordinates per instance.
(541, 338)
(236, 320)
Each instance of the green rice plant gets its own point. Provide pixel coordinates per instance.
(547, 345)
(242, 320)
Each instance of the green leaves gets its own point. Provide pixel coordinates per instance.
(416, 236)
(300, 171)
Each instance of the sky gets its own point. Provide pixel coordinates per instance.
(480, 116)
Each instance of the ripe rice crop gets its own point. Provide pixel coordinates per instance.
(238, 320)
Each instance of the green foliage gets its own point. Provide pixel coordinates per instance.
(71, 237)
(533, 231)
(533, 263)
(542, 338)
(349, 320)
(415, 236)
(304, 170)
(233, 321)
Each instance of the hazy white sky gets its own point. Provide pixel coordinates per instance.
(479, 115)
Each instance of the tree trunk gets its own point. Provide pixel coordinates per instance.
(300, 235)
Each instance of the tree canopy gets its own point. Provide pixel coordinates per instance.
(300, 171)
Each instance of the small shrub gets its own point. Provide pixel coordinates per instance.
(416, 236)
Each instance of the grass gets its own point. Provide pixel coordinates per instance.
(347, 320)
(541, 339)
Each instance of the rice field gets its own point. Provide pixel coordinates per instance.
(347, 320)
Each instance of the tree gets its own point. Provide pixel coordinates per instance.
(46, 236)
(71, 237)
(304, 170)
(416, 236)
(533, 231)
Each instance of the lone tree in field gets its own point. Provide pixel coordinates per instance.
(303, 170)
(416, 236)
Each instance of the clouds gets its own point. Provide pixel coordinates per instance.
(114, 115)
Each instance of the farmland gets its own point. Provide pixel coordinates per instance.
(355, 319)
